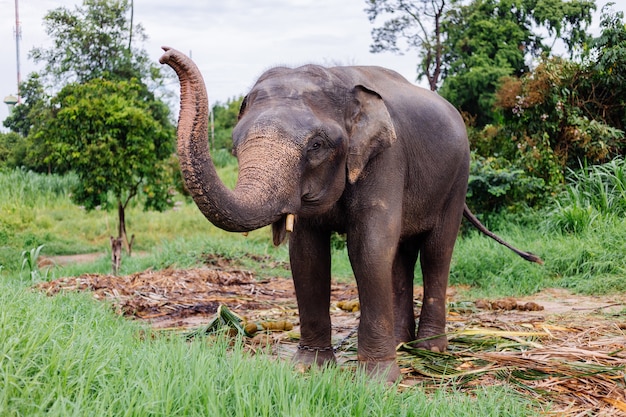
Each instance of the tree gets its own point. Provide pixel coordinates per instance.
(224, 120)
(565, 112)
(105, 121)
(27, 117)
(94, 41)
(608, 60)
(108, 134)
(468, 45)
(10, 149)
(490, 39)
(419, 25)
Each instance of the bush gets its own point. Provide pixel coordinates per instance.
(592, 191)
(496, 184)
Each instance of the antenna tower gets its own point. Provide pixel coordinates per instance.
(18, 36)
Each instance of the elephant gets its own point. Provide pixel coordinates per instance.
(356, 150)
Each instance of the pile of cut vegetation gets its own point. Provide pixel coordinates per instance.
(567, 352)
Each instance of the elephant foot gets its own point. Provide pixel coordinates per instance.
(433, 343)
(307, 356)
(386, 371)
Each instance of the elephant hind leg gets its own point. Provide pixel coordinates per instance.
(435, 258)
(403, 276)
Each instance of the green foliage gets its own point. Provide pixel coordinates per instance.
(548, 116)
(95, 40)
(26, 120)
(32, 110)
(105, 131)
(608, 61)
(592, 192)
(473, 91)
(610, 46)
(12, 149)
(224, 120)
(489, 39)
(495, 184)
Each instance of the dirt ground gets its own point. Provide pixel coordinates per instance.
(559, 348)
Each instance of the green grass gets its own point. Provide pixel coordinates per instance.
(592, 261)
(70, 356)
(580, 238)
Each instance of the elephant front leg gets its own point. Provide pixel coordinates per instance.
(309, 254)
(372, 255)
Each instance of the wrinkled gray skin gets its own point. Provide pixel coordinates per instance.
(357, 150)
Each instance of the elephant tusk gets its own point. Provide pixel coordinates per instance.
(289, 222)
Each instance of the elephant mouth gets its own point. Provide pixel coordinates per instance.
(314, 204)
(309, 199)
(281, 227)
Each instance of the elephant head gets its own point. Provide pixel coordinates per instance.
(303, 134)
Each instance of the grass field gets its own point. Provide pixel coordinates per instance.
(68, 355)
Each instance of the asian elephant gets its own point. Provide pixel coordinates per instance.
(358, 150)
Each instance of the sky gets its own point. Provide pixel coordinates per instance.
(231, 41)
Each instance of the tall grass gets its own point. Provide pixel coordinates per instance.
(581, 239)
(590, 262)
(68, 356)
(26, 188)
(591, 191)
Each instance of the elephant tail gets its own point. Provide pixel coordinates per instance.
(477, 224)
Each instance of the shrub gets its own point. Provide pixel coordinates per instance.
(592, 191)
(496, 184)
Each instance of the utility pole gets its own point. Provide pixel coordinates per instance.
(18, 36)
(130, 35)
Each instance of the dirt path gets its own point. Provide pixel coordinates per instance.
(559, 348)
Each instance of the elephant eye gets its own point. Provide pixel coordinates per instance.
(316, 145)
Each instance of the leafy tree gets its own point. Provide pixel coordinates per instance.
(105, 121)
(412, 25)
(94, 41)
(108, 134)
(489, 39)
(27, 117)
(468, 45)
(10, 149)
(566, 112)
(224, 120)
(91, 41)
(608, 61)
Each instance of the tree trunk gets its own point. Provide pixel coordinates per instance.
(116, 254)
(121, 228)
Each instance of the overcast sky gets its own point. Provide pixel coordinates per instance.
(231, 41)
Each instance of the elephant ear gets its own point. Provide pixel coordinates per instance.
(370, 128)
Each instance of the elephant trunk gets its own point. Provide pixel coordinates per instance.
(250, 205)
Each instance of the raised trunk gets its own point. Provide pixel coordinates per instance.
(236, 210)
